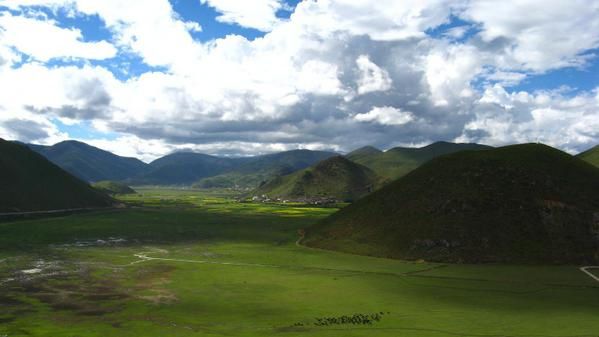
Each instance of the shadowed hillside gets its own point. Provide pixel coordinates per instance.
(398, 161)
(337, 178)
(521, 203)
(90, 163)
(591, 155)
(29, 182)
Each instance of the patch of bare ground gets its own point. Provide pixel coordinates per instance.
(151, 281)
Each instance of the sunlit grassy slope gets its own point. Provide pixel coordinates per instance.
(336, 177)
(113, 187)
(591, 156)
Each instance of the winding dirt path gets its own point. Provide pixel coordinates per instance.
(143, 257)
(586, 271)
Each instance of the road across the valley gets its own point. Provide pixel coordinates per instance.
(57, 211)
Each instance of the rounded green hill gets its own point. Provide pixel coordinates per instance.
(335, 178)
(521, 203)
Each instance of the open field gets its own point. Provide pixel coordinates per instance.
(197, 263)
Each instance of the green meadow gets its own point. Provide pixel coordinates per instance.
(199, 263)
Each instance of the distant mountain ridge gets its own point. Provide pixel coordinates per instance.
(207, 171)
(259, 169)
(90, 163)
(398, 161)
(184, 168)
(29, 182)
(526, 203)
(180, 168)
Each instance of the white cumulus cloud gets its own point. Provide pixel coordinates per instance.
(44, 40)
(257, 14)
(385, 115)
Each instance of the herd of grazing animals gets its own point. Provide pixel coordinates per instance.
(355, 319)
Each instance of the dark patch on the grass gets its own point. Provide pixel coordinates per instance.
(81, 295)
(152, 279)
(78, 304)
(8, 301)
(30, 288)
(111, 296)
(58, 304)
(155, 270)
(23, 312)
(4, 320)
(294, 328)
(150, 275)
(96, 311)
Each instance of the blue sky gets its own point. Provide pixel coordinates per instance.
(239, 78)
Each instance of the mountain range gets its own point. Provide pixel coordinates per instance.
(206, 171)
(256, 170)
(398, 161)
(180, 168)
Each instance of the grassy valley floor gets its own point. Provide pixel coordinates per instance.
(197, 263)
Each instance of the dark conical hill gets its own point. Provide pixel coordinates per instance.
(336, 178)
(29, 182)
(521, 203)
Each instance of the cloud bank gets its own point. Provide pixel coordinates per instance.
(337, 74)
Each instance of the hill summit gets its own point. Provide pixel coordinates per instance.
(523, 203)
(29, 182)
(335, 178)
(90, 163)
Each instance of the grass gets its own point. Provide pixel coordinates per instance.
(113, 187)
(591, 155)
(255, 281)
